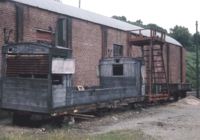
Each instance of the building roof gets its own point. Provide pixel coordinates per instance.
(61, 8)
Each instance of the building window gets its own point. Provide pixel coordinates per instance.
(117, 50)
(19, 23)
(118, 70)
(64, 32)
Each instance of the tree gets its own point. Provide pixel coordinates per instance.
(137, 23)
(156, 27)
(182, 35)
(140, 23)
(191, 68)
(122, 18)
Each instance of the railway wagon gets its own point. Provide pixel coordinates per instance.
(37, 78)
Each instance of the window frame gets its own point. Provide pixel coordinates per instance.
(64, 32)
(117, 50)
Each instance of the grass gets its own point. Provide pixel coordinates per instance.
(65, 135)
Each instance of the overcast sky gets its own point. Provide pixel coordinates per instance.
(165, 13)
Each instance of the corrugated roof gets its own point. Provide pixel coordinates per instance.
(60, 8)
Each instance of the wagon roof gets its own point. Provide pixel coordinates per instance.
(61, 8)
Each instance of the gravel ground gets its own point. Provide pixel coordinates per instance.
(175, 121)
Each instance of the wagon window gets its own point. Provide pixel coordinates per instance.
(57, 79)
(118, 70)
(117, 50)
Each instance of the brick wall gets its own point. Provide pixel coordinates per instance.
(7, 16)
(7, 20)
(35, 19)
(116, 37)
(86, 44)
(86, 41)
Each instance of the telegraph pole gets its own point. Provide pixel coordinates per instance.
(197, 59)
(79, 4)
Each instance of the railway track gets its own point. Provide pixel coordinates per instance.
(72, 118)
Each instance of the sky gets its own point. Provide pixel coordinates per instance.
(165, 13)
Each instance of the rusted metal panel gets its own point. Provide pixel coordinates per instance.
(27, 64)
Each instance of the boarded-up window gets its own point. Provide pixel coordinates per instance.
(44, 36)
(64, 32)
(117, 50)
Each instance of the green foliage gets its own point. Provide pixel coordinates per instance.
(182, 35)
(137, 23)
(140, 23)
(122, 18)
(196, 39)
(191, 68)
(156, 27)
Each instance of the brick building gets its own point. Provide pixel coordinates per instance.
(90, 36)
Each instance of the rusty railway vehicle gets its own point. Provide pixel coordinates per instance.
(37, 79)
(57, 59)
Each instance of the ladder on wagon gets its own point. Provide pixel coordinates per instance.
(157, 86)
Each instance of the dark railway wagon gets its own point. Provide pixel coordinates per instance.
(38, 78)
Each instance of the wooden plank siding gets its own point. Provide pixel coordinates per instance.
(25, 94)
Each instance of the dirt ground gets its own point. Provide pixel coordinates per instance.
(174, 121)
